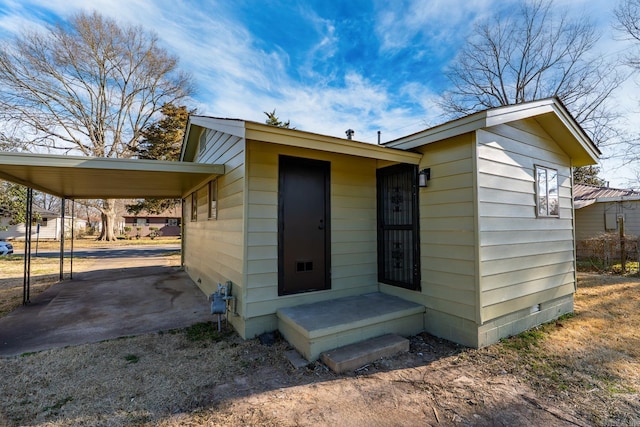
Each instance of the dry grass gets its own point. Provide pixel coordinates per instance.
(589, 360)
(44, 273)
(582, 370)
(119, 382)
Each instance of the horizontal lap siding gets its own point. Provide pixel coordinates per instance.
(525, 260)
(447, 235)
(214, 249)
(353, 227)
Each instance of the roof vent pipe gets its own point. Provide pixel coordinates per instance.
(379, 137)
(350, 133)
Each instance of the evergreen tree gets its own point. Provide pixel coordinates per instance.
(273, 120)
(162, 140)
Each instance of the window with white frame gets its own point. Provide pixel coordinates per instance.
(547, 197)
(213, 199)
(194, 206)
(140, 222)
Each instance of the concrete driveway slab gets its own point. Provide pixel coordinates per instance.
(103, 305)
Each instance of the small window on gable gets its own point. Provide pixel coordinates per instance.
(213, 199)
(194, 206)
(547, 197)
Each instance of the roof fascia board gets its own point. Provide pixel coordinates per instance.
(515, 112)
(233, 127)
(502, 115)
(472, 123)
(34, 170)
(301, 139)
(190, 142)
(79, 162)
(185, 141)
(617, 199)
(438, 133)
(577, 132)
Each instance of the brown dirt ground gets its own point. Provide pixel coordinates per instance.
(582, 370)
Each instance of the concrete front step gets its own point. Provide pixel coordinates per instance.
(354, 356)
(327, 325)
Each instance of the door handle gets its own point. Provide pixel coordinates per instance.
(321, 226)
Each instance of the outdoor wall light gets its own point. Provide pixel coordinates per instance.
(423, 177)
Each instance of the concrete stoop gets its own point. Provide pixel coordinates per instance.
(354, 356)
(326, 325)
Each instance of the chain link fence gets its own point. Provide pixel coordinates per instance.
(609, 252)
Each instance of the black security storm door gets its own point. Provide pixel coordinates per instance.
(398, 233)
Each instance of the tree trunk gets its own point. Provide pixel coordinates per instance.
(108, 214)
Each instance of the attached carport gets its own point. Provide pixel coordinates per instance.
(74, 177)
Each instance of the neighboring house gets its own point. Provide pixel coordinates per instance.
(598, 210)
(166, 223)
(484, 251)
(48, 226)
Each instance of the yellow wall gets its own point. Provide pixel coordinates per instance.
(353, 227)
(448, 240)
(214, 248)
(524, 260)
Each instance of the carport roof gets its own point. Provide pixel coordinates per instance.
(76, 177)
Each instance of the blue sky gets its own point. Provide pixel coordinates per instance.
(326, 66)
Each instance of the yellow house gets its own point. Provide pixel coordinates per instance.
(464, 230)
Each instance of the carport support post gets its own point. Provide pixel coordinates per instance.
(73, 222)
(62, 239)
(26, 285)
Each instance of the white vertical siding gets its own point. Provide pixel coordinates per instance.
(214, 249)
(524, 260)
(353, 227)
(50, 231)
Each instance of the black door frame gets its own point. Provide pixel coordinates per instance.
(284, 160)
(414, 227)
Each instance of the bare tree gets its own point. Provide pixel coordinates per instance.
(88, 86)
(627, 24)
(534, 53)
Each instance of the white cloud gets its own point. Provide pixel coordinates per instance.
(438, 23)
(238, 78)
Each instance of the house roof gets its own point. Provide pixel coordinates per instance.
(550, 113)
(585, 195)
(76, 177)
(174, 212)
(291, 137)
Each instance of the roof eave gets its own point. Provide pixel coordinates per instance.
(302, 139)
(89, 178)
(549, 112)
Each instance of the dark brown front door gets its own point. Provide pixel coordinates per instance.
(303, 225)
